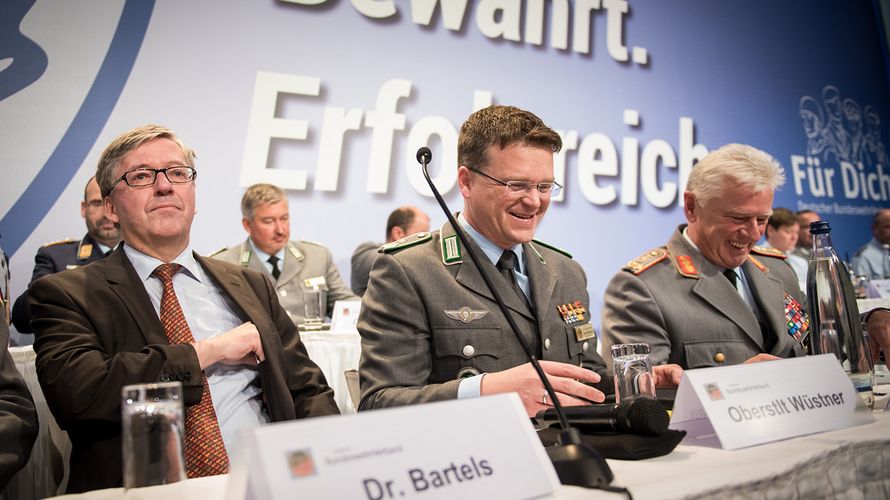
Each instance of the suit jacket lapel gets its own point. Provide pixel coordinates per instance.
(235, 288)
(769, 294)
(713, 288)
(125, 283)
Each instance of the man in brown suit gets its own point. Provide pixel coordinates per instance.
(99, 327)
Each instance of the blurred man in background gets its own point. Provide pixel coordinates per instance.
(872, 260)
(294, 266)
(403, 221)
(101, 238)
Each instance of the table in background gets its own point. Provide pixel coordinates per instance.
(335, 353)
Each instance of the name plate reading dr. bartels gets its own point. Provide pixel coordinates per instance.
(745, 405)
(472, 448)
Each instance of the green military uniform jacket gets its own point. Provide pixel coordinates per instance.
(427, 319)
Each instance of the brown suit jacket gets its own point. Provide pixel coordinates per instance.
(97, 331)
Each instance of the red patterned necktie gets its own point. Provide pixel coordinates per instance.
(205, 452)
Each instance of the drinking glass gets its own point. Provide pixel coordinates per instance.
(153, 431)
(314, 302)
(633, 372)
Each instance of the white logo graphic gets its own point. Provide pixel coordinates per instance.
(842, 129)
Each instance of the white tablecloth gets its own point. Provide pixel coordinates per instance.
(849, 463)
(335, 353)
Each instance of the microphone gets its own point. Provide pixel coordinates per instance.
(576, 463)
(424, 156)
(644, 416)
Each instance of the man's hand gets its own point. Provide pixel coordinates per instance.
(568, 381)
(761, 357)
(239, 346)
(667, 375)
(878, 327)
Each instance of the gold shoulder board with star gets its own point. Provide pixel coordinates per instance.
(645, 261)
(406, 242)
(551, 247)
(769, 252)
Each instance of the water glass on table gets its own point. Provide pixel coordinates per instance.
(153, 428)
(314, 305)
(633, 372)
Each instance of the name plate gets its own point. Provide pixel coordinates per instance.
(345, 316)
(745, 405)
(474, 448)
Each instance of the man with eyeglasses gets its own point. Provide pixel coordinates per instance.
(155, 311)
(430, 328)
(101, 238)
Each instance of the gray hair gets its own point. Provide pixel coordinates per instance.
(125, 144)
(259, 194)
(744, 164)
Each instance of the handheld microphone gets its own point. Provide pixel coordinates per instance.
(576, 463)
(644, 416)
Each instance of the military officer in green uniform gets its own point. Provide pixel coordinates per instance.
(430, 328)
(294, 266)
(102, 236)
(710, 297)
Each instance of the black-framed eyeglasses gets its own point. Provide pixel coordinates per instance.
(550, 188)
(142, 177)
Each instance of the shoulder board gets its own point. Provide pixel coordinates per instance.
(407, 241)
(758, 264)
(551, 247)
(61, 242)
(221, 250)
(647, 260)
(312, 243)
(769, 252)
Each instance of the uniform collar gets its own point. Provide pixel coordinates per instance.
(492, 251)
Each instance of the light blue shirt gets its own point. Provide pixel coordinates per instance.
(471, 387)
(264, 257)
(871, 261)
(236, 391)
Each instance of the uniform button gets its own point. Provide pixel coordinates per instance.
(283, 293)
(719, 357)
(546, 343)
(469, 351)
(585, 346)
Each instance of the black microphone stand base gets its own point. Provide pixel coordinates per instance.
(577, 463)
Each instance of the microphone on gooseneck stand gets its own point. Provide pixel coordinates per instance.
(576, 463)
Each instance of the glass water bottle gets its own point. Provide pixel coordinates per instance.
(834, 316)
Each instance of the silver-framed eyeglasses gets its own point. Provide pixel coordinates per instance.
(143, 176)
(549, 188)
